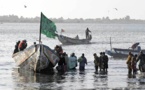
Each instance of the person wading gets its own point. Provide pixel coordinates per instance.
(96, 62)
(133, 64)
(141, 58)
(105, 60)
(128, 62)
(82, 61)
(72, 62)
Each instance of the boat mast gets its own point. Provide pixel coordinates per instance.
(110, 44)
(40, 37)
(40, 30)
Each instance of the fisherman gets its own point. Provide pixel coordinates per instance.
(133, 64)
(101, 63)
(141, 58)
(82, 61)
(96, 62)
(72, 62)
(66, 61)
(61, 63)
(58, 49)
(16, 47)
(87, 33)
(22, 45)
(128, 62)
(105, 61)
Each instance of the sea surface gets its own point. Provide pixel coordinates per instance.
(122, 36)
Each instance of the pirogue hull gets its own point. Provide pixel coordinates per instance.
(38, 58)
(121, 53)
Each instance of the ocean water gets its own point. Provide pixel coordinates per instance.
(122, 36)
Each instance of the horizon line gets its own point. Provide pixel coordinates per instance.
(73, 18)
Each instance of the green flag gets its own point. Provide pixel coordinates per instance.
(47, 27)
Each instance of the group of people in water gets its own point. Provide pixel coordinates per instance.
(71, 62)
(132, 62)
(101, 62)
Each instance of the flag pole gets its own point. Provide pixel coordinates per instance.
(40, 28)
(40, 36)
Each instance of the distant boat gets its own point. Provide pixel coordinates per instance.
(123, 53)
(38, 57)
(76, 40)
(68, 40)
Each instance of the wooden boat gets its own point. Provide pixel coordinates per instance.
(38, 58)
(68, 40)
(123, 53)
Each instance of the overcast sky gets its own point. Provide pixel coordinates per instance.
(75, 8)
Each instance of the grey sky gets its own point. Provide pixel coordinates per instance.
(74, 8)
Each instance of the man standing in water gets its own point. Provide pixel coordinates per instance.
(141, 57)
(96, 62)
(72, 63)
(87, 33)
(82, 61)
(101, 63)
(128, 62)
(105, 60)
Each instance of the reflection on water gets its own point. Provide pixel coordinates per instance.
(136, 81)
(102, 78)
(74, 79)
(27, 79)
